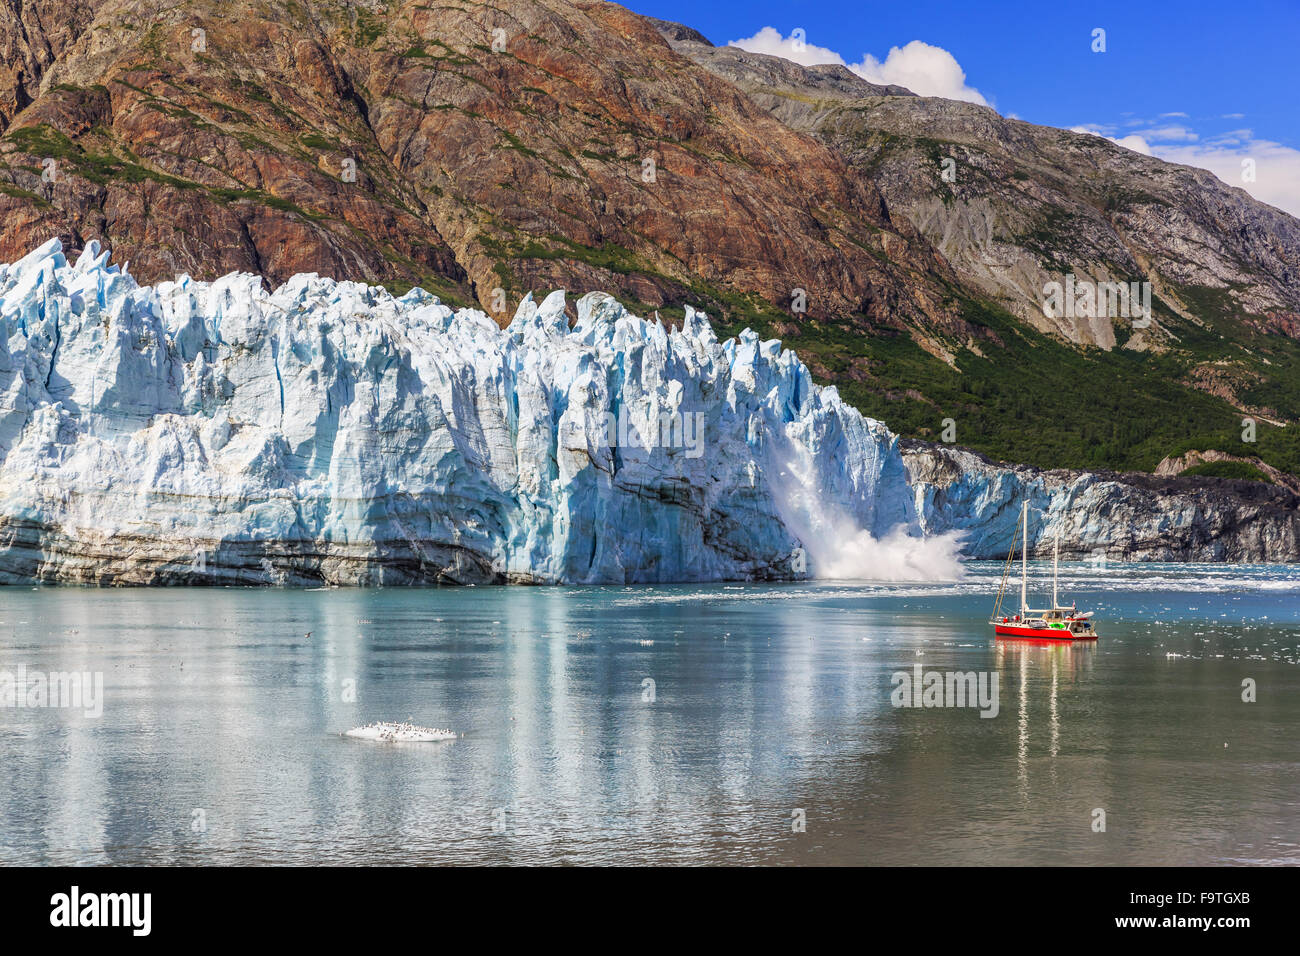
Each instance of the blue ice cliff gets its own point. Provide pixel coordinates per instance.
(215, 432)
(328, 431)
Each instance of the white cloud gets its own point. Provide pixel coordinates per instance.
(924, 69)
(1140, 140)
(1235, 137)
(1167, 133)
(1134, 142)
(769, 40)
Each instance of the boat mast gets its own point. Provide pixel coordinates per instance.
(1056, 548)
(1024, 559)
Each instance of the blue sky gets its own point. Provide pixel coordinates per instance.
(1204, 83)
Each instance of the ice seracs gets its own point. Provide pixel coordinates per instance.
(329, 433)
(221, 433)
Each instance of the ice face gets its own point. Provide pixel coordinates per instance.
(329, 431)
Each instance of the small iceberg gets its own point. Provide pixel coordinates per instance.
(398, 732)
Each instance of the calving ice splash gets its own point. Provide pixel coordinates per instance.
(837, 546)
(331, 432)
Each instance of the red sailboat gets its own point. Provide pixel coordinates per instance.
(1056, 623)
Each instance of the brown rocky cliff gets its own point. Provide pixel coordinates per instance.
(521, 167)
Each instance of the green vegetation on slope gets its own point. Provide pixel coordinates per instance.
(1041, 401)
(1241, 470)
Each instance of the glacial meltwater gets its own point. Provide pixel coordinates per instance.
(742, 723)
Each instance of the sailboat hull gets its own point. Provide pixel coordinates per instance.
(1012, 630)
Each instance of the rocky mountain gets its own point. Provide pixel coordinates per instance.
(1100, 516)
(1013, 207)
(483, 151)
(1024, 204)
(466, 147)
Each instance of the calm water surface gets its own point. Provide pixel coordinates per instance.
(220, 738)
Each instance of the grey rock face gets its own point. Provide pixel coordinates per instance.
(1134, 517)
(1028, 204)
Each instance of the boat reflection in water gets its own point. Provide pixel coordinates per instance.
(1039, 670)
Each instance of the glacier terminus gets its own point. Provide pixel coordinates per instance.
(328, 432)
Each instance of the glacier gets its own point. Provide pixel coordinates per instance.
(330, 432)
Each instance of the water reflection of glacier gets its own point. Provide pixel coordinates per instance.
(763, 701)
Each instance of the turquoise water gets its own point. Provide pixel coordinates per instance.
(220, 739)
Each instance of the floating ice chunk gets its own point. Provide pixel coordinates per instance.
(398, 733)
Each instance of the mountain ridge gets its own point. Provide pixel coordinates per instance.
(482, 173)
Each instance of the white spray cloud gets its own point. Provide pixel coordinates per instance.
(838, 548)
(924, 69)
(856, 555)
